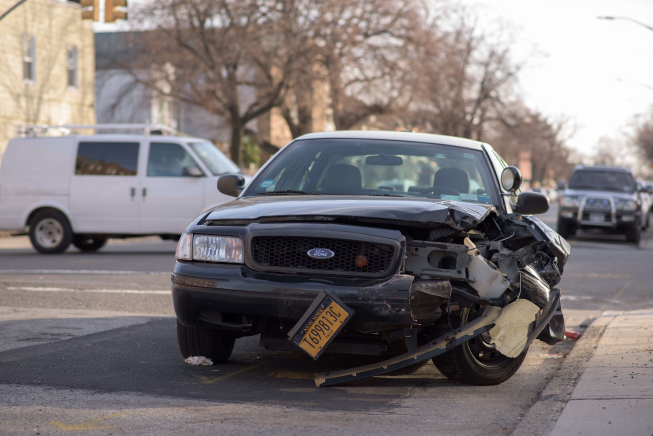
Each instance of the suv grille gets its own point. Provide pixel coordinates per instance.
(290, 252)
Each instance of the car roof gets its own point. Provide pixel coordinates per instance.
(115, 137)
(396, 136)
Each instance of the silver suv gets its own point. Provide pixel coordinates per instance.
(605, 198)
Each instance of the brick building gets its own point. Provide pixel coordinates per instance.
(47, 66)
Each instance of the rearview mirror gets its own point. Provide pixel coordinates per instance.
(231, 184)
(384, 160)
(511, 179)
(531, 203)
(192, 172)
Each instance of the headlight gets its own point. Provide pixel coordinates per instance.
(209, 248)
(185, 247)
(568, 201)
(624, 204)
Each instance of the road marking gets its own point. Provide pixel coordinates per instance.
(86, 425)
(599, 275)
(80, 271)
(211, 380)
(294, 375)
(622, 291)
(89, 291)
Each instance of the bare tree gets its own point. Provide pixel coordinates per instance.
(234, 58)
(643, 135)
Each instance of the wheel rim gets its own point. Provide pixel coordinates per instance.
(49, 233)
(483, 353)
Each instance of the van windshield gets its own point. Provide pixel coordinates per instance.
(214, 159)
(371, 167)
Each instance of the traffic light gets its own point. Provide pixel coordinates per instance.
(111, 11)
(91, 11)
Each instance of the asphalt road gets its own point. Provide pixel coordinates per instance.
(88, 342)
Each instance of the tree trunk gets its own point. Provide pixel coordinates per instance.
(235, 148)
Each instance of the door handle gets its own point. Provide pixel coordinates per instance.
(144, 193)
(133, 193)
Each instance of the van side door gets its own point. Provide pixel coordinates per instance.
(172, 190)
(103, 192)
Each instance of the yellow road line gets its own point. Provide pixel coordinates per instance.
(622, 291)
(211, 380)
(86, 425)
(295, 375)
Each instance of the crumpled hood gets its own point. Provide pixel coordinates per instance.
(419, 212)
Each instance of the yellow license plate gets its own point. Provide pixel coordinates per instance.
(323, 323)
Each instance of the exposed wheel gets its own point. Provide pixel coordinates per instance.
(634, 234)
(565, 230)
(50, 232)
(88, 244)
(215, 344)
(476, 362)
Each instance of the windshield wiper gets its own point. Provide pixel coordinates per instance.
(287, 192)
(389, 195)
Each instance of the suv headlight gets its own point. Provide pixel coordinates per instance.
(569, 201)
(227, 249)
(625, 204)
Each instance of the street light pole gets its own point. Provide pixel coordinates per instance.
(627, 19)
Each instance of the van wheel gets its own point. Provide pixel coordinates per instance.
(475, 362)
(50, 232)
(88, 244)
(215, 344)
(634, 233)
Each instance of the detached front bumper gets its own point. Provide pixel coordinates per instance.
(232, 296)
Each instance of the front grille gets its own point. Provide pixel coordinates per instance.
(291, 253)
(597, 203)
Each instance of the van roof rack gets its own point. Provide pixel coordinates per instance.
(66, 129)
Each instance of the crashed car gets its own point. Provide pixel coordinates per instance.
(319, 254)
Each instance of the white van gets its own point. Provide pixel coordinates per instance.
(84, 189)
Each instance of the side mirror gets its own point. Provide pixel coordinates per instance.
(231, 184)
(192, 172)
(511, 179)
(531, 203)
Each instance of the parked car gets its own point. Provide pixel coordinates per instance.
(83, 189)
(605, 198)
(315, 256)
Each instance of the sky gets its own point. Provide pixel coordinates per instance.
(598, 73)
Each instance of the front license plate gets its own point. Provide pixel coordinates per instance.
(597, 217)
(321, 323)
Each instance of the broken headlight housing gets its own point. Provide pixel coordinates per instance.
(625, 204)
(209, 248)
(569, 201)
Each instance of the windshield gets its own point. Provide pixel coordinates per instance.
(368, 167)
(596, 180)
(213, 158)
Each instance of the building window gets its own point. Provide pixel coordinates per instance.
(71, 67)
(29, 58)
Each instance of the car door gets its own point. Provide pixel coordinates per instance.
(172, 190)
(104, 186)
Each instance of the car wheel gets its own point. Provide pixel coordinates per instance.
(476, 362)
(565, 230)
(634, 234)
(50, 232)
(215, 344)
(88, 244)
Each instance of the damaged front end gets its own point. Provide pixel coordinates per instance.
(490, 282)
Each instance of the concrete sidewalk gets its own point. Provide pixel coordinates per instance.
(615, 393)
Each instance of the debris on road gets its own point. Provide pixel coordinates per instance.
(552, 356)
(199, 360)
(574, 336)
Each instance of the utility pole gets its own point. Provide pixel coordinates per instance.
(627, 19)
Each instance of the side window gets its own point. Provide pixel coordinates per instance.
(169, 160)
(107, 158)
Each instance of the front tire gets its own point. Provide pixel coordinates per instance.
(565, 230)
(215, 344)
(476, 362)
(88, 244)
(634, 233)
(50, 232)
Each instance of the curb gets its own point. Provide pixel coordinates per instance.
(544, 413)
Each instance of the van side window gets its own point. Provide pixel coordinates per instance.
(168, 160)
(107, 158)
